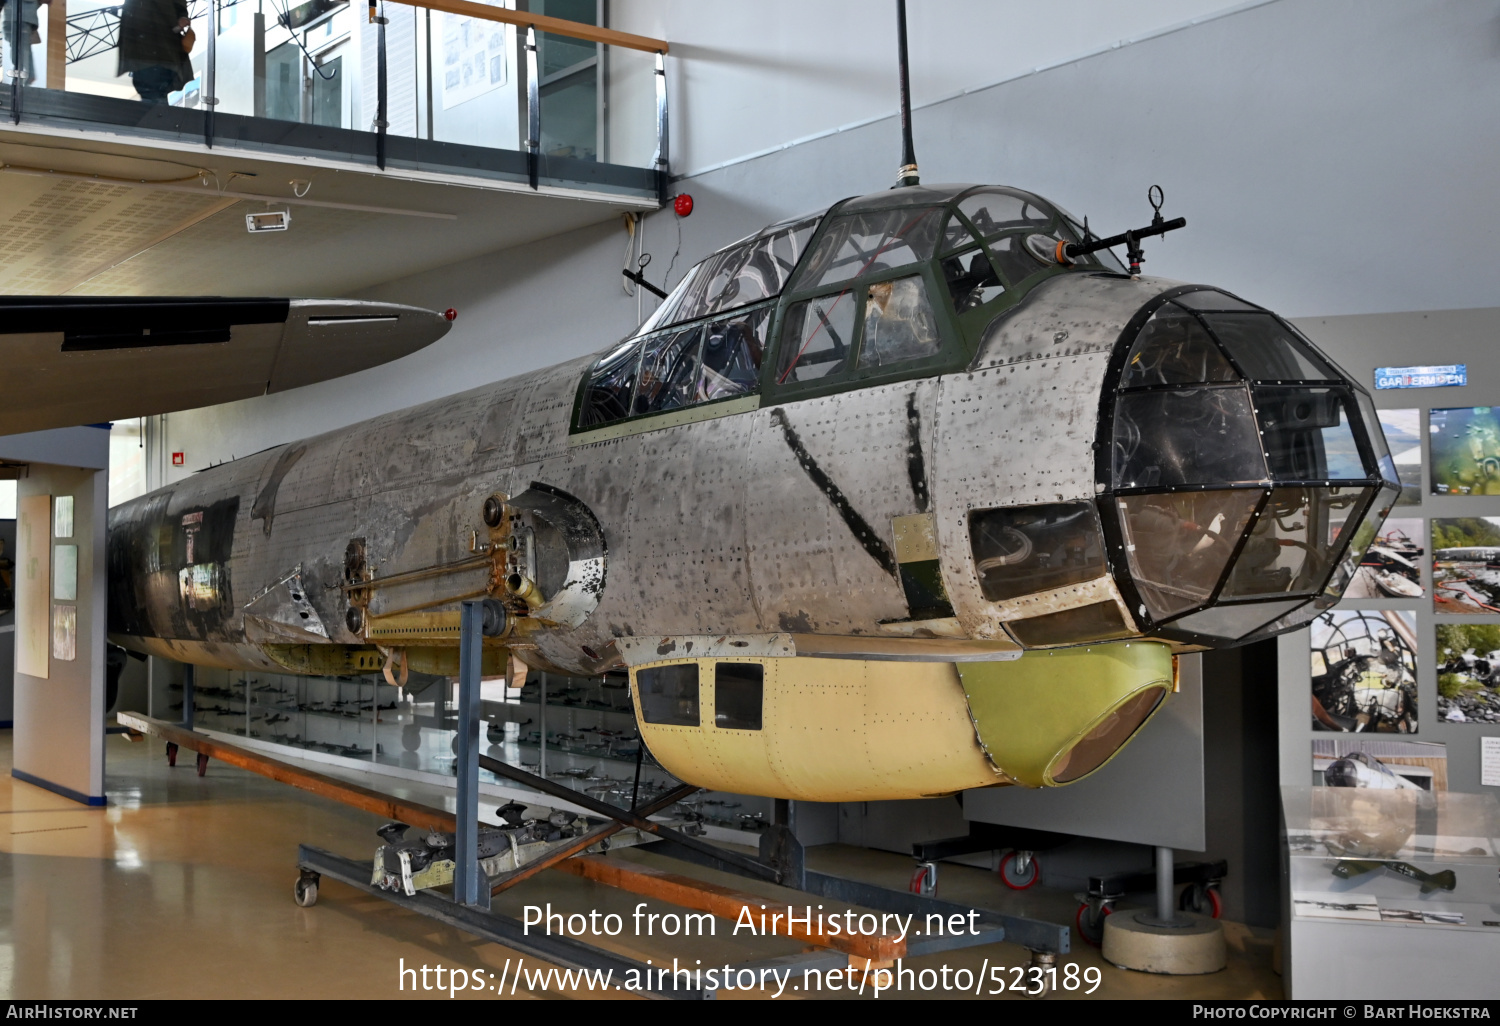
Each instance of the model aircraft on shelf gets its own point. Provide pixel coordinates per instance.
(920, 492)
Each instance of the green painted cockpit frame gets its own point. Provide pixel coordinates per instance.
(960, 332)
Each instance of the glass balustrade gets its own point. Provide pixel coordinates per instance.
(392, 84)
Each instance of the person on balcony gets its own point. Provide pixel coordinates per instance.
(154, 47)
(18, 58)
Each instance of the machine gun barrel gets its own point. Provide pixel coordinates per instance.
(1074, 249)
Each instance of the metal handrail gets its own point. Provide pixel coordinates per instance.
(543, 23)
(532, 23)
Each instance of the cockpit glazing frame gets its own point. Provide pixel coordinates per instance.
(1362, 499)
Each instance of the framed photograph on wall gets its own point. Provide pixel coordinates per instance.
(1468, 672)
(1465, 450)
(1403, 433)
(1384, 764)
(1466, 565)
(1392, 565)
(1364, 671)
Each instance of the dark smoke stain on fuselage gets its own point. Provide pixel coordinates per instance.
(264, 507)
(169, 572)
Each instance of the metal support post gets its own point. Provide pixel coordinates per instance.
(189, 671)
(208, 93)
(659, 161)
(1166, 878)
(19, 52)
(533, 121)
(382, 116)
(466, 873)
(541, 722)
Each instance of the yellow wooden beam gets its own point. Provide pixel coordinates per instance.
(542, 23)
(57, 45)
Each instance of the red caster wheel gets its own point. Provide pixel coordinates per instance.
(924, 880)
(171, 754)
(202, 764)
(1203, 899)
(1020, 870)
(1090, 923)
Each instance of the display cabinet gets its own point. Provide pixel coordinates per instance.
(591, 739)
(1365, 867)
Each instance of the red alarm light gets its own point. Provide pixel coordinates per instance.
(683, 204)
(450, 314)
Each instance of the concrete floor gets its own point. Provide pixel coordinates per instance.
(182, 887)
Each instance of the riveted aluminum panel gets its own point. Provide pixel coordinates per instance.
(1012, 436)
(830, 474)
(1070, 315)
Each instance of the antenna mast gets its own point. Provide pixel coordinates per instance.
(907, 174)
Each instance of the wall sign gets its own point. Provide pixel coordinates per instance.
(1422, 377)
(1489, 761)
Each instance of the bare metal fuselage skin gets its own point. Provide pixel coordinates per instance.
(712, 528)
(1087, 470)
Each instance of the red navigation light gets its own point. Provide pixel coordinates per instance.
(450, 313)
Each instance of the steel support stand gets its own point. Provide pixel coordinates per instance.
(314, 863)
(1165, 912)
(467, 889)
(541, 721)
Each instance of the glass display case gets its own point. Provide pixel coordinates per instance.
(1374, 872)
(592, 744)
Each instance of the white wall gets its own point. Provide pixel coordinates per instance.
(747, 77)
(1331, 157)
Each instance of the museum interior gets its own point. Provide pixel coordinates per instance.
(666, 499)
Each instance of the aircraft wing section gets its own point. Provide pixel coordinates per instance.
(68, 360)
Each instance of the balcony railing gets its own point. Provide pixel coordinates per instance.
(449, 87)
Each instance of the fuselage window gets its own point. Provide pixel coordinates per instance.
(732, 351)
(972, 281)
(739, 695)
(677, 368)
(668, 694)
(995, 213)
(742, 274)
(669, 372)
(899, 325)
(870, 243)
(1011, 256)
(817, 337)
(611, 385)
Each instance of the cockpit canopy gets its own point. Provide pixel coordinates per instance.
(1242, 465)
(875, 289)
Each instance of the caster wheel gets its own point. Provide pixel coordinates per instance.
(411, 737)
(202, 764)
(1020, 870)
(171, 754)
(1202, 899)
(924, 880)
(305, 892)
(1090, 923)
